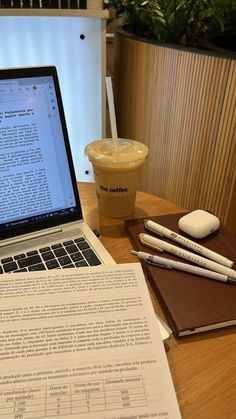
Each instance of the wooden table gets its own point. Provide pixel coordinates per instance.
(203, 367)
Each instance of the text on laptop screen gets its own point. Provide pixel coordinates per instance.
(35, 181)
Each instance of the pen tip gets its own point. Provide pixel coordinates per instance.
(133, 252)
(231, 280)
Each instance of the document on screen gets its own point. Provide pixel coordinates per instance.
(34, 173)
(82, 343)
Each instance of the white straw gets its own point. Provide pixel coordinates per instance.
(112, 114)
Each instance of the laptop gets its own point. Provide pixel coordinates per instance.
(41, 221)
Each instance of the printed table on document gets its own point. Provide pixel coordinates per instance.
(72, 398)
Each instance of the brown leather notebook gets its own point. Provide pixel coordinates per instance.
(191, 303)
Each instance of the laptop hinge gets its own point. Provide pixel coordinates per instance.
(30, 236)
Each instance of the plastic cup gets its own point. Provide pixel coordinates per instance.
(116, 174)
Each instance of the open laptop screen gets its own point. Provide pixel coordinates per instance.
(37, 181)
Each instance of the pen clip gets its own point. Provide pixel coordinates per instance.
(151, 229)
(160, 265)
(158, 249)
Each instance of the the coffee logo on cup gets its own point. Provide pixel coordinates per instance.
(105, 189)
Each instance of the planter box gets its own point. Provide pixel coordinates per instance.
(181, 103)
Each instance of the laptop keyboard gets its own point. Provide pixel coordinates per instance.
(68, 254)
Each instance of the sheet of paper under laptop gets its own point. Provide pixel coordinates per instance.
(88, 347)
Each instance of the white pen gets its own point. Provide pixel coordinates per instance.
(153, 242)
(172, 264)
(163, 231)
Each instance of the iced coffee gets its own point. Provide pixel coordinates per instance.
(116, 173)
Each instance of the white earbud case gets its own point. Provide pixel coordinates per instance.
(199, 223)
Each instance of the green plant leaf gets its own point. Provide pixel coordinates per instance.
(175, 21)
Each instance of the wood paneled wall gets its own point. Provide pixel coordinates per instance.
(183, 106)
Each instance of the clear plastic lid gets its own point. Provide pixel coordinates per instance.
(103, 153)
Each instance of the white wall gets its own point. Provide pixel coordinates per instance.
(45, 40)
